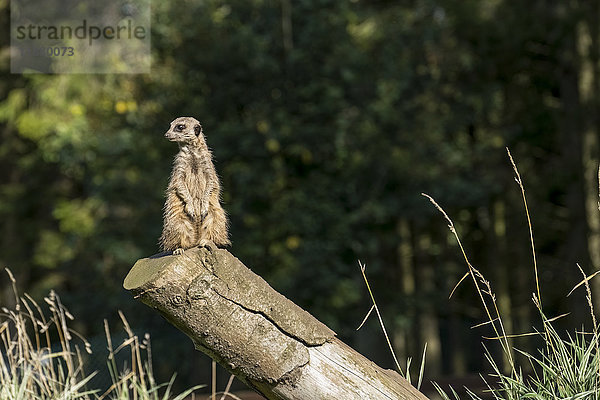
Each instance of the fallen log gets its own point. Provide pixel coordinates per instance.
(267, 341)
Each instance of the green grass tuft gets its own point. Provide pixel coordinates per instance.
(564, 368)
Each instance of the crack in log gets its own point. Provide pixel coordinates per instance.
(271, 320)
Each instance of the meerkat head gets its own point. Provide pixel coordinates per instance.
(184, 130)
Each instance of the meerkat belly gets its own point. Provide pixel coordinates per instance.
(196, 185)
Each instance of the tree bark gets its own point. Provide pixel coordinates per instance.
(268, 342)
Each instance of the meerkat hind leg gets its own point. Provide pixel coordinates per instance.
(209, 244)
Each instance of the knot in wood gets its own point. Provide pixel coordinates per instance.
(199, 288)
(178, 300)
(208, 259)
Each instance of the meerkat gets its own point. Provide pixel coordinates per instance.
(193, 215)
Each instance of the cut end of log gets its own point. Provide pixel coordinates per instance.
(146, 270)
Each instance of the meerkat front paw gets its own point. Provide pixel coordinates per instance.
(203, 210)
(209, 244)
(189, 210)
(178, 251)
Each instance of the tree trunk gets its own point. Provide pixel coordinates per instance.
(268, 342)
(405, 335)
(588, 36)
(428, 318)
(502, 272)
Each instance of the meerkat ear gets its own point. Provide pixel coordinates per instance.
(198, 129)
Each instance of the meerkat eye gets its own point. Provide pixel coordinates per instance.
(179, 127)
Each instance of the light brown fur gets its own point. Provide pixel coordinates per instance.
(193, 215)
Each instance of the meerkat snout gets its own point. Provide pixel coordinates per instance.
(184, 129)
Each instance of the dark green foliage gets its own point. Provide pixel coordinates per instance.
(324, 140)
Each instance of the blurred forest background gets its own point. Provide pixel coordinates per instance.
(327, 120)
